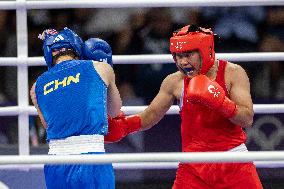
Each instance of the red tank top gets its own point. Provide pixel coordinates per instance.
(203, 129)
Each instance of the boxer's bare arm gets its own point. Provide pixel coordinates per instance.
(160, 105)
(114, 102)
(240, 94)
(33, 97)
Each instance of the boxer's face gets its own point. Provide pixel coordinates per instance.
(190, 62)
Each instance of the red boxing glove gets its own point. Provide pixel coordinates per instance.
(209, 93)
(121, 126)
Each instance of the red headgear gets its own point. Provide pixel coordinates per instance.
(190, 38)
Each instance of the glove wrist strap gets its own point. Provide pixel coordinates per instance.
(228, 108)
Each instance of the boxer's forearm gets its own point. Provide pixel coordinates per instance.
(243, 117)
(149, 119)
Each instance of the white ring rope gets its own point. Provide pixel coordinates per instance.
(258, 109)
(192, 157)
(23, 61)
(141, 165)
(47, 4)
(154, 58)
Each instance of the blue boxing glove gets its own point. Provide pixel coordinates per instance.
(98, 50)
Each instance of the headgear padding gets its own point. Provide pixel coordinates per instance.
(98, 50)
(54, 40)
(191, 38)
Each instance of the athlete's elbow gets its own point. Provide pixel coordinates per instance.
(248, 121)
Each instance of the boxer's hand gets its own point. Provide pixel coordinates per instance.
(121, 126)
(209, 93)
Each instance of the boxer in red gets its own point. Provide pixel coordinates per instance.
(215, 106)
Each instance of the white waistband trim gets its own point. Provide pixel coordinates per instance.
(240, 148)
(77, 145)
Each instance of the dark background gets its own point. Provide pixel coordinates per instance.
(147, 31)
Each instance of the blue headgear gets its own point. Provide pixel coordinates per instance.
(98, 50)
(54, 40)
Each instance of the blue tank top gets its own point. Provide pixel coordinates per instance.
(72, 98)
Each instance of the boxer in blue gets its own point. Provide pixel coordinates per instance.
(118, 127)
(73, 99)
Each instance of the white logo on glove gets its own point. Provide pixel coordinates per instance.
(213, 90)
(103, 60)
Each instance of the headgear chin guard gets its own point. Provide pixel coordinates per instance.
(54, 40)
(98, 50)
(191, 38)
